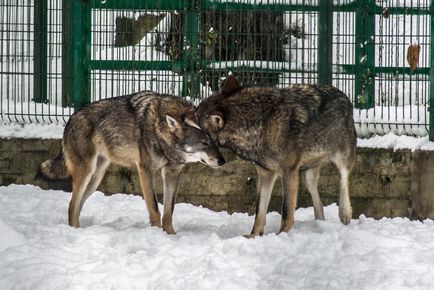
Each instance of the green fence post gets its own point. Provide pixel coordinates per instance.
(364, 54)
(66, 54)
(431, 83)
(191, 52)
(80, 53)
(40, 52)
(325, 45)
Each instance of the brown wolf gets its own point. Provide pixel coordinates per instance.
(283, 131)
(147, 130)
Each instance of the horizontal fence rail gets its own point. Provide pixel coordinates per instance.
(58, 55)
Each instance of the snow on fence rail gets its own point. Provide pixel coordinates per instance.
(385, 69)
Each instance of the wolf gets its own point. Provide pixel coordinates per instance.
(147, 130)
(284, 131)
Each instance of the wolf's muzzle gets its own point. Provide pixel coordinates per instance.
(214, 162)
(221, 161)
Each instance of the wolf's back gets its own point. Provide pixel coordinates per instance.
(54, 168)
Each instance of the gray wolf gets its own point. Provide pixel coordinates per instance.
(284, 131)
(147, 130)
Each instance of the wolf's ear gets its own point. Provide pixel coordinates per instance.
(173, 124)
(231, 85)
(216, 122)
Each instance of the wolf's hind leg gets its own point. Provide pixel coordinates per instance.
(81, 176)
(101, 167)
(170, 186)
(311, 181)
(147, 185)
(344, 167)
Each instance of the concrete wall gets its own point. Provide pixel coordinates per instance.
(383, 183)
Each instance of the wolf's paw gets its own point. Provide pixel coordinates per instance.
(170, 230)
(156, 224)
(286, 225)
(252, 236)
(77, 225)
(319, 214)
(345, 215)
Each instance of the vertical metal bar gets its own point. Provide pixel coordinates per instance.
(191, 52)
(66, 53)
(325, 44)
(40, 52)
(365, 54)
(86, 47)
(431, 83)
(76, 50)
(80, 53)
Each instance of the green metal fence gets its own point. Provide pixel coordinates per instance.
(56, 56)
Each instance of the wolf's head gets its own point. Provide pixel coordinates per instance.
(211, 114)
(195, 144)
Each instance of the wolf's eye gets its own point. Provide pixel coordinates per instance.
(204, 143)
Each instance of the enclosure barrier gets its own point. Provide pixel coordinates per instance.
(57, 56)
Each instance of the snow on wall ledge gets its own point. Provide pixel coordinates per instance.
(402, 120)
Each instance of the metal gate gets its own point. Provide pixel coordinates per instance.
(376, 51)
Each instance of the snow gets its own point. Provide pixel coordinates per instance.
(397, 142)
(117, 248)
(28, 131)
(408, 119)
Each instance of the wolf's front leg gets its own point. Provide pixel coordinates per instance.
(290, 180)
(170, 176)
(147, 184)
(264, 187)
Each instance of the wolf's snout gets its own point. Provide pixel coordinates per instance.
(216, 162)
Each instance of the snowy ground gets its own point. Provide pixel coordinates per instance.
(117, 248)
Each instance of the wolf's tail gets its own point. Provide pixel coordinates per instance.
(54, 168)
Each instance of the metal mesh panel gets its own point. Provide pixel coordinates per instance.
(343, 46)
(56, 56)
(23, 99)
(131, 36)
